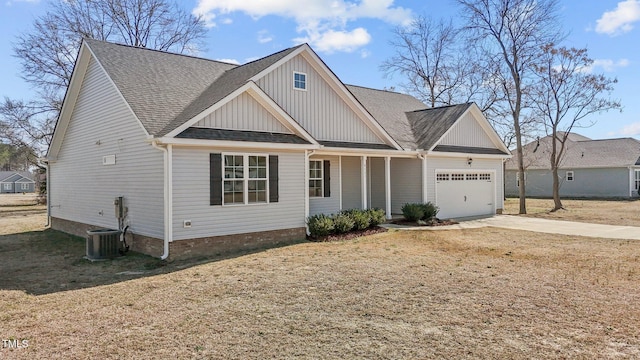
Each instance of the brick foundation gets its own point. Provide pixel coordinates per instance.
(200, 247)
(72, 227)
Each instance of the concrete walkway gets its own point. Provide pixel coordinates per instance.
(539, 225)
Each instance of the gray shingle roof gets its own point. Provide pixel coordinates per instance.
(225, 85)
(157, 85)
(430, 124)
(164, 89)
(468, 150)
(409, 121)
(588, 153)
(389, 109)
(353, 145)
(240, 135)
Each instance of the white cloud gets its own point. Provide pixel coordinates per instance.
(631, 129)
(330, 40)
(10, 2)
(619, 20)
(607, 65)
(264, 37)
(230, 61)
(322, 23)
(227, 21)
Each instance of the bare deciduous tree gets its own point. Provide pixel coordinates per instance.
(565, 95)
(428, 55)
(47, 53)
(513, 30)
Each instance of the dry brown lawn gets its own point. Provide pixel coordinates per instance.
(612, 212)
(465, 294)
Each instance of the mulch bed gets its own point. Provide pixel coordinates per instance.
(431, 222)
(348, 236)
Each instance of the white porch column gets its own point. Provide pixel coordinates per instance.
(306, 188)
(363, 181)
(424, 178)
(340, 179)
(387, 186)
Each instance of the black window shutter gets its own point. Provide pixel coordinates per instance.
(215, 179)
(327, 178)
(273, 178)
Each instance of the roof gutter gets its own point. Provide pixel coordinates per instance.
(465, 155)
(167, 153)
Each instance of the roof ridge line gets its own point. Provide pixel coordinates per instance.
(440, 107)
(163, 52)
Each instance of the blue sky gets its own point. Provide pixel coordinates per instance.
(352, 37)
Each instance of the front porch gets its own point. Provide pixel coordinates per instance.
(363, 181)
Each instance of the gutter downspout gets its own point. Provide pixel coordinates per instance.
(423, 157)
(167, 228)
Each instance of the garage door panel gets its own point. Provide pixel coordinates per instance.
(462, 194)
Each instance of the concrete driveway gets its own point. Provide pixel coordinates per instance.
(541, 225)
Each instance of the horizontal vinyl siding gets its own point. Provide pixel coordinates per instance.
(82, 189)
(406, 183)
(318, 109)
(468, 132)
(191, 198)
(328, 205)
(376, 183)
(243, 113)
(479, 164)
(351, 179)
(610, 182)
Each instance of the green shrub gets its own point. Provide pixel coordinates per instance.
(360, 218)
(430, 210)
(343, 223)
(412, 211)
(377, 217)
(320, 225)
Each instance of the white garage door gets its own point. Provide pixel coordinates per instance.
(462, 194)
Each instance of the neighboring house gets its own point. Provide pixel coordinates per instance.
(12, 182)
(608, 168)
(211, 156)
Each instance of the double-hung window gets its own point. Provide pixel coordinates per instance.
(245, 179)
(570, 176)
(7, 186)
(637, 180)
(316, 178)
(24, 186)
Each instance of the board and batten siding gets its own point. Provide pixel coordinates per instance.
(467, 132)
(406, 183)
(191, 197)
(82, 188)
(243, 113)
(331, 204)
(479, 164)
(319, 109)
(351, 180)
